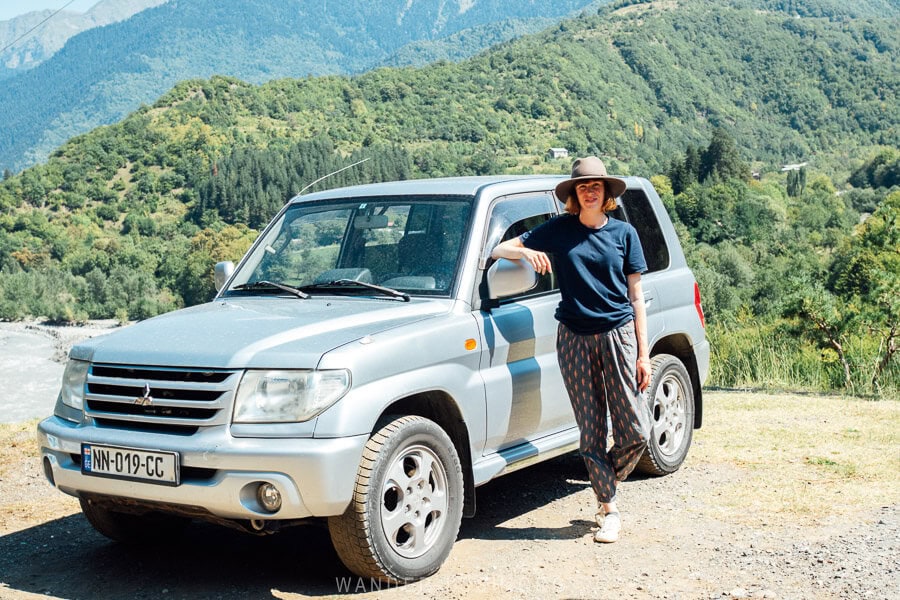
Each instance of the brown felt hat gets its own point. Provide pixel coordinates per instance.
(590, 168)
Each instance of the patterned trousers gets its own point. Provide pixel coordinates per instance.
(599, 374)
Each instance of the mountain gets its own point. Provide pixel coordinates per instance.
(466, 43)
(104, 73)
(150, 202)
(52, 31)
(832, 9)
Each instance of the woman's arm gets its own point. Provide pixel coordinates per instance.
(514, 249)
(636, 296)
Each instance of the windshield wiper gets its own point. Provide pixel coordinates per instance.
(271, 284)
(340, 283)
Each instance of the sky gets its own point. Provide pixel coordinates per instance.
(14, 8)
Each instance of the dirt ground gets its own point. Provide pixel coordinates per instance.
(823, 524)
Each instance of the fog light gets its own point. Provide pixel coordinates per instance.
(269, 497)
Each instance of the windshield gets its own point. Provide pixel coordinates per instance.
(409, 244)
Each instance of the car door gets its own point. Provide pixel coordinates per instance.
(526, 398)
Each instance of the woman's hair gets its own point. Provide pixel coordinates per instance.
(573, 207)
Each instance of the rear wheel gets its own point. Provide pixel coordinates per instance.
(671, 400)
(133, 528)
(407, 504)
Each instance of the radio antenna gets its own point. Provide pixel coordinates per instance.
(359, 162)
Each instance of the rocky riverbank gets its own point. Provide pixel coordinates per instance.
(32, 360)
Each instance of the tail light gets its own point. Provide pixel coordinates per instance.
(698, 305)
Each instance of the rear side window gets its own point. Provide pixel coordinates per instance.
(635, 208)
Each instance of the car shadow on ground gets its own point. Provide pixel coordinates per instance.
(67, 558)
(523, 491)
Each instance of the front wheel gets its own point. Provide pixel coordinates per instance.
(671, 399)
(407, 504)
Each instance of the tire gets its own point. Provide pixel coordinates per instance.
(407, 504)
(133, 528)
(671, 399)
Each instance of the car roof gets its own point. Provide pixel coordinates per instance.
(447, 186)
(443, 186)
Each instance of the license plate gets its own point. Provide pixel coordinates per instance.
(131, 464)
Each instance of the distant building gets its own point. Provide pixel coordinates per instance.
(558, 153)
(796, 167)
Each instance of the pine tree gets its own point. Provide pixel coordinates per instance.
(721, 159)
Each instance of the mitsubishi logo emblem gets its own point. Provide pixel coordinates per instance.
(146, 399)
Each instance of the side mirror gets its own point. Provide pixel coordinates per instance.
(223, 272)
(510, 278)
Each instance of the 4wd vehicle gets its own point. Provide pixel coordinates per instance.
(366, 363)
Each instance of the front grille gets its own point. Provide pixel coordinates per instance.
(160, 374)
(156, 411)
(157, 398)
(158, 393)
(149, 427)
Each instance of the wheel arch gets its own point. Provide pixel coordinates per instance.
(679, 344)
(440, 407)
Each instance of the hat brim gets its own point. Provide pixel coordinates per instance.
(614, 185)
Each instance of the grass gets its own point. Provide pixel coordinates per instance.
(26, 498)
(754, 355)
(18, 444)
(799, 456)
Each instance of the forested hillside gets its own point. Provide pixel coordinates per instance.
(799, 269)
(105, 73)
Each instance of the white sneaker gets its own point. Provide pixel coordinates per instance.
(609, 531)
(601, 512)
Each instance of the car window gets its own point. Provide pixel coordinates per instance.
(513, 216)
(409, 243)
(635, 208)
(547, 281)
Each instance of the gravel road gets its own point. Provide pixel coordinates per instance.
(683, 537)
(530, 539)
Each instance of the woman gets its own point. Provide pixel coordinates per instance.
(602, 340)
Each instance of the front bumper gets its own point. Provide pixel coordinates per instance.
(220, 472)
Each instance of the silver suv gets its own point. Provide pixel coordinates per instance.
(365, 363)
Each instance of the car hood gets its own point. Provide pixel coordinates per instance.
(269, 332)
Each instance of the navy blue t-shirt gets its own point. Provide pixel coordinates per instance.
(591, 266)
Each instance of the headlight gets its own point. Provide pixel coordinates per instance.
(288, 396)
(74, 378)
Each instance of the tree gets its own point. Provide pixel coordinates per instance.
(722, 158)
(692, 164)
(881, 171)
(196, 283)
(826, 319)
(33, 190)
(866, 272)
(796, 182)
